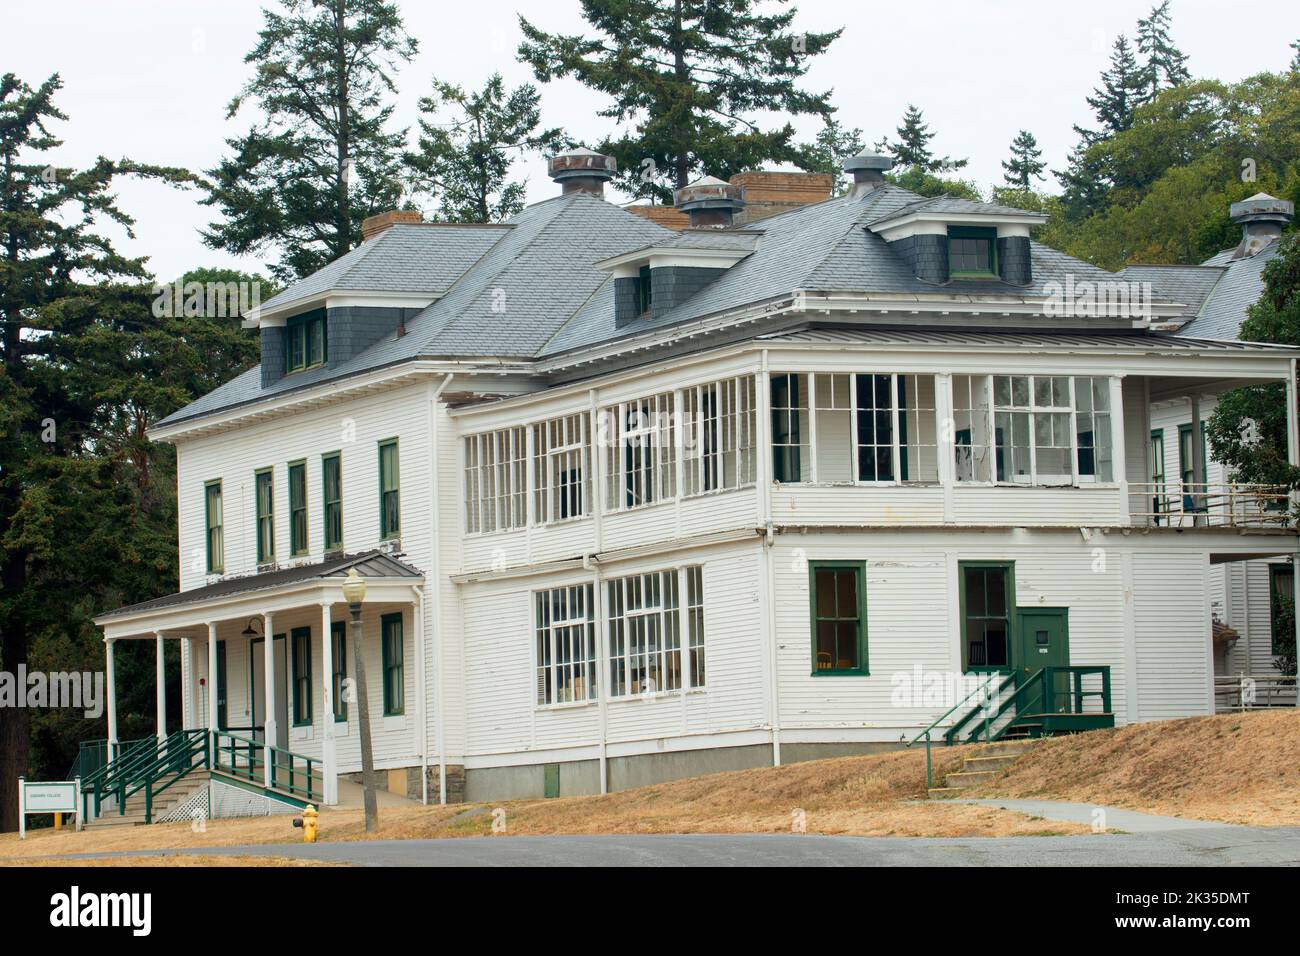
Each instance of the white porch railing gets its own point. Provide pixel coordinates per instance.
(1180, 504)
(1250, 692)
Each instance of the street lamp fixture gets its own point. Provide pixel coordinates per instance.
(354, 592)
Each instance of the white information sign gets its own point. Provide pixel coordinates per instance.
(59, 796)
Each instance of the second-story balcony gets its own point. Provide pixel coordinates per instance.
(1178, 504)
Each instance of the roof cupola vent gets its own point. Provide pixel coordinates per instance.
(1262, 218)
(582, 171)
(710, 203)
(868, 170)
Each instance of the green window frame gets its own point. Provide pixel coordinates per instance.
(300, 647)
(392, 651)
(837, 605)
(643, 290)
(962, 248)
(1159, 500)
(298, 544)
(264, 481)
(214, 527)
(1281, 583)
(332, 500)
(306, 342)
(221, 685)
(981, 614)
(390, 500)
(339, 673)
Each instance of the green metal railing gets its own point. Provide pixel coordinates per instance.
(296, 774)
(929, 774)
(237, 756)
(148, 765)
(244, 758)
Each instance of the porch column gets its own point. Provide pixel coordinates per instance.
(111, 681)
(1119, 447)
(1198, 460)
(160, 679)
(1293, 457)
(213, 684)
(947, 435)
(268, 695)
(329, 760)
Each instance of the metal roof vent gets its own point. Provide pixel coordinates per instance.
(868, 170)
(710, 202)
(1262, 218)
(582, 171)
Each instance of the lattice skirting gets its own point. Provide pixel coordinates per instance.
(193, 807)
(228, 801)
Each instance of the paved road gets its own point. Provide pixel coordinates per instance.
(1195, 846)
(1110, 818)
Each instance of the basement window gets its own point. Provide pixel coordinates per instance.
(972, 252)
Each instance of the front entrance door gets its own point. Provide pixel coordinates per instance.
(1043, 640)
(257, 691)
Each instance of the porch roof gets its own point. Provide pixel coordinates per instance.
(368, 564)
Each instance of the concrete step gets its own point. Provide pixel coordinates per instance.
(996, 762)
(1004, 747)
(963, 780)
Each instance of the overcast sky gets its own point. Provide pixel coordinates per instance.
(150, 79)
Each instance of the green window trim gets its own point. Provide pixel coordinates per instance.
(214, 527)
(392, 664)
(975, 232)
(264, 495)
(1276, 590)
(1160, 502)
(298, 538)
(390, 498)
(1009, 598)
(221, 687)
(339, 660)
(306, 341)
(332, 501)
(643, 290)
(1186, 465)
(300, 651)
(859, 569)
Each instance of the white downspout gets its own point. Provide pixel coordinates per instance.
(766, 602)
(421, 690)
(435, 604)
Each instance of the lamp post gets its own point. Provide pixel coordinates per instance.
(354, 592)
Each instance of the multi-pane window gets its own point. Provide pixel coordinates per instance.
(971, 251)
(562, 468)
(640, 453)
(566, 645)
(645, 632)
(719, 438)
(305, 341)
(298, 508)
(839, 617)
(789, 397)
(1032, 429)
(1160, 497)
(339, 662)
(496, 476)
(987, 602)
(392, 665)
(332, 500)
(300, 639)
(1281, 592)
(265, 494)
(214, 520)
(390, 507)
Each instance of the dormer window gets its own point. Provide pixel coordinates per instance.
(644, 297)
(305, 345)
(972, 252)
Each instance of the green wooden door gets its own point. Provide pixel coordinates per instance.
(1043, 640)
(552, 780)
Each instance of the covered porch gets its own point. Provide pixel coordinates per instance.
(267, 665)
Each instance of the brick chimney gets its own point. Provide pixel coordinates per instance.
(582, 171)
(374, 225)
(769, 193)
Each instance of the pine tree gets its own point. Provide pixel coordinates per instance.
(1295, 58)
(322, 159)
(690, 78)
(465, 159)
(1121, 90)
(912, 150)
(1165, 65)
(833, 144)
(82, 517)
(1025, 164)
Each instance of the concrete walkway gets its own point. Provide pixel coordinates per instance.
(1111, 819)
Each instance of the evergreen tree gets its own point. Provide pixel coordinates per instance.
(322, 159)
(1025, 164)
(912, 150)
(1295, 57)
(833, 145)
(690, 77)
(465, 159)
(1120, 92)
(84, 520)
(1165, 65)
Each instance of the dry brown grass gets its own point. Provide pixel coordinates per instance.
(173, 859)
(1236, 768)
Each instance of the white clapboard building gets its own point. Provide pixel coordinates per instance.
(640, 492)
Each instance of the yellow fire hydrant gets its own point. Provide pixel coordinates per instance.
(308, 823)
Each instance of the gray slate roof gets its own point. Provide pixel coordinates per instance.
(1019, 339)
(419, 258)
(1190, 285)
(954, 204)
(1239, 287)
(368, 564)
(532, 289)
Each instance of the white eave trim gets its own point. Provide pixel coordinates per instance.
(336, 299)
(895, 228)
(657, 257)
